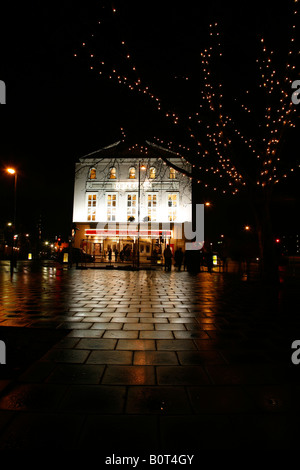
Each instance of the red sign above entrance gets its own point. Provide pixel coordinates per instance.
(128, 233)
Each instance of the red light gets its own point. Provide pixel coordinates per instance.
(277, 240)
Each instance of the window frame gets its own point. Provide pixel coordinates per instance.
(135, 207)
(150, 173)
(91, 208)
(129, 173)
(172, 210)
(173, 173)
(113, 168)
(93, 171)
(113, 209)
(151, 207)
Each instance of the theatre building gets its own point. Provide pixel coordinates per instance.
(132, 201)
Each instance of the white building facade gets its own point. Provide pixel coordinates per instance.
(131, 201)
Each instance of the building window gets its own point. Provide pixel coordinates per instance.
(91, 209)
(92, 175)
(132, 173)
(152, 207)
(172, 174)
(172, 207)
(112, 174)
(131, 206)
(111, 207)
(152, 172)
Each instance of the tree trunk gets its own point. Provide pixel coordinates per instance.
(268, 259)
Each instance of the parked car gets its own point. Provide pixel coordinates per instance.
(76, 255)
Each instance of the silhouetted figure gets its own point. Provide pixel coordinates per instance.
(178, 257)
(168, 258)
(109, 254)
(209, 260)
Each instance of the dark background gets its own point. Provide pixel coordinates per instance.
(59, 110)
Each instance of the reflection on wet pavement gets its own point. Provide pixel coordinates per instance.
(203, 349)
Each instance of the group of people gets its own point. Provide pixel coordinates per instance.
(125, 254)
(178, 258)
(109, 254)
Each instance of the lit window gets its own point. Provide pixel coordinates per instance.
(132, 173)
(152, 207)
(111, 207)
(152, 173)
(112, 174)
(172, 207)
(172, 174)
(131, 205)
(92, 205)
(92, 174)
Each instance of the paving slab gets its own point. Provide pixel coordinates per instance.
(147, 361)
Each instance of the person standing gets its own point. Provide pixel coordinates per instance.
(209, 260)
(178, 257)
(168, 258)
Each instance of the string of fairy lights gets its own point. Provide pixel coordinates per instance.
(216, 157)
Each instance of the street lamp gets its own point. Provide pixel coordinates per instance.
(12, 171)
(141, 167)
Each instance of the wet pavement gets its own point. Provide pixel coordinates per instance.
(138, 361)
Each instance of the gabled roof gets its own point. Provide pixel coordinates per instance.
(121, 149)
(148, 149)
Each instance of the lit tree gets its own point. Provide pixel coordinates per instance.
(223, 156)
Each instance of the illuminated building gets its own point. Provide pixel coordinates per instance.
(136, 198)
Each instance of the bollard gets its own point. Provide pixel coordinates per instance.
(2, 352)
(2, 92)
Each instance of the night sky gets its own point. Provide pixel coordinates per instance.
(59, 110)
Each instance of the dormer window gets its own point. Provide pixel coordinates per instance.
(92, 175)
(113, 174)
(132, 173)
(152, 173)
(172, 174)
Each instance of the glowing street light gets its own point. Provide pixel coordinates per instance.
(247, 227)
(12, 171)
